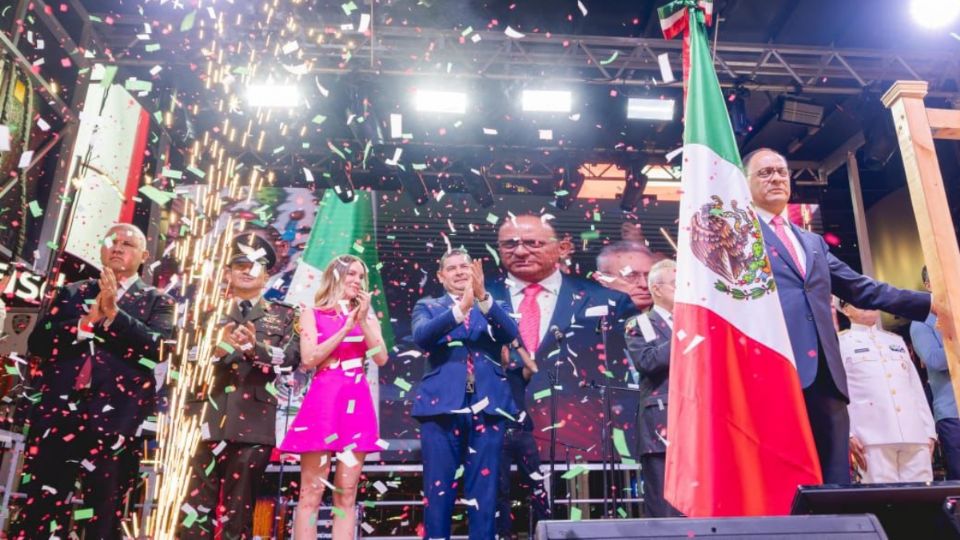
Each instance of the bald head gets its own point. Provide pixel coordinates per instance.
(529, 248)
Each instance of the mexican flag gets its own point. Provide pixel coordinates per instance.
(739, 439)
(341, 229)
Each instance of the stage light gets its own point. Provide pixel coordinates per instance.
(935, 13)
(273, 95)
(650, 109)
(546, 101)
(800, 112)
(633, 190)
(440, 101)
(414, 186)
(340, 180)
(478, 187)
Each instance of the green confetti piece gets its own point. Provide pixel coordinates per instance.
(229, 389)
(212, 403)
(492, 219)
(158, 116)
(11, 370)
(94, 18)
(574, 472)
(418, 166)
(621, 512)
(226, 346)
(620, 442)
(541, 394)
(357, 247)
(152, 47)
(590, 235)
(561, 193)
(26, 478)
(196, 172)
(596, 216)
(271, 388)
(610, 59)
(505, 414)
(82, 513)
(402, 384)
(459, 472)
(608, 374)
(136, 85)
(187, 23)
(53, 522)
(319, 119)
(174, 375)
(35, 210)
(171, 173)
(147, 363)
(575, 513)
(348, 7)
(52, 245)
(330, 438)
(279, 149)
(372, 352)
(156, 195)
(452, 344)
(209, 469)
(467, 31)
(189, 520)
(493, 254)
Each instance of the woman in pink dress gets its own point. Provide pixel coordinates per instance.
(337, 416)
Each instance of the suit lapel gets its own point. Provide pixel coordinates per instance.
(660, 326)
(809, 248)
(774, 245)
(131, 297)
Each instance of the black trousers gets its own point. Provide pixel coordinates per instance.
(652, 469)
(948, 432)
(520, 447)
(235, 472)
(827, 411)
(106, 467)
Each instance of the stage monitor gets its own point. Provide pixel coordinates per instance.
(906, 511)
(848, 527)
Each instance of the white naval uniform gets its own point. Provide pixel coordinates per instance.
(888, 409)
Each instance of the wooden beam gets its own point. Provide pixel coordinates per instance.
(937, 236)
(945, 123)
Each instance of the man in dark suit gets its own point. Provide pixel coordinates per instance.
(806, 275)
(239, 426)
(463, 398)
(648, 345)
(99, 343)
(542, 298)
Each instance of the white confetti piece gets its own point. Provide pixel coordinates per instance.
(693, 343)
(364, 23)
(583, 8)
(666, 72)
(290, 47)
(347, 458)
(4, 138)
(511, 33)
(25, 159)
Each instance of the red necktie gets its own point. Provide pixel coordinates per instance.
(530, 317)
(471, 377)
(83, 378)
(781, 233)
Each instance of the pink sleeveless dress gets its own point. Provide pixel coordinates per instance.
(337, 413)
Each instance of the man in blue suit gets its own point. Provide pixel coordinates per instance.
(806, 275)
(463, 398)
(548, 303)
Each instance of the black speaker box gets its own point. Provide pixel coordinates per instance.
(848, 527)
(906, 511)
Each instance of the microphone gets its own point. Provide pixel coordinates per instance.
(555, 330)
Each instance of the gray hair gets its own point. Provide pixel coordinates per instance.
(658, 272)
(623, 246)
(132, 229)
(749, 157)
(452, 252)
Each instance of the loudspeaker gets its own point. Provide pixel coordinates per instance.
(906, 511)
(859, 527)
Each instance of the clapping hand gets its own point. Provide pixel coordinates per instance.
(466, 300)
(476, 280)
(363, 308)
(107, 299)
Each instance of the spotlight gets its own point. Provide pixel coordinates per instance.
(650, 109)
(935, 13)
(413, 185)
(546, 101)
(478, 187)
(633, 190)
(273, 95)
(441, 101)
(800, 112)
(340, 180)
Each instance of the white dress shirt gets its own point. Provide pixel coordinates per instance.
(766, 217)
(546, 300)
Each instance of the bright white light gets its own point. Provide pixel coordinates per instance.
(547, 101)
(441, 102)
(935, 13)
(650, 109)
(273, 95)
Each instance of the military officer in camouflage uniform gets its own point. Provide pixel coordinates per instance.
(259, 340)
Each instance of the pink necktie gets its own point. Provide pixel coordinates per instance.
(781, 233)
(530, 317)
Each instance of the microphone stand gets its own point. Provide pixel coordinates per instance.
(276, 507)
(566, 459)
(554, 391)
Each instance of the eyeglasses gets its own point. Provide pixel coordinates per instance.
(768, 172)
(635, 278)
(530, 244)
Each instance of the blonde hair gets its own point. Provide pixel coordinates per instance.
(331, 281)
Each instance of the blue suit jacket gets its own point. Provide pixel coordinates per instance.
(447, 344)
(806, 301)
